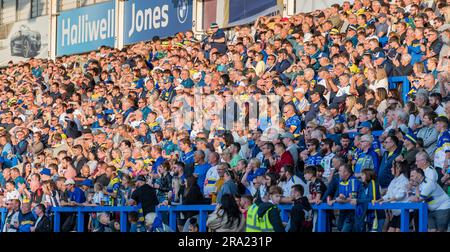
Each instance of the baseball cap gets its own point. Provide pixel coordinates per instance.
(87, 182)
(352, 27)
(69, 182)
(46, 171)
(287, 135)
(365, 124)
(334, 31)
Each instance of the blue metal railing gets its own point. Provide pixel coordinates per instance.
(393, 84)
(203, 211)
(81, 211)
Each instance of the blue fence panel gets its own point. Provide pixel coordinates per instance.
(393, 84)
(321, 210)
(80, 211)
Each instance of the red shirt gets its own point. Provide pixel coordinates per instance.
(286, 159)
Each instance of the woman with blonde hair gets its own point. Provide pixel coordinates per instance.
(381, 100)
(350, 102)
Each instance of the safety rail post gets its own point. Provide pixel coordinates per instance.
(57, 221)
(404, 220)
(203, 217)
(123, 221)
(321, 220)
(423, 218)
(80, 221)
(4, 212)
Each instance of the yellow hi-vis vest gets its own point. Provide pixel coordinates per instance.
(252, 223)
(264, 222)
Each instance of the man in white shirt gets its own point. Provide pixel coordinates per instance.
(212, 175)
(423, 161)
(287, 180)
(438, 201)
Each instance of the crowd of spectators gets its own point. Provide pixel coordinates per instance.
(288, 110)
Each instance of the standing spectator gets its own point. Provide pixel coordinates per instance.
(443, 144)
(287, 180)
(200, 169)
(367, 158)
(311, 156)
(284, 157)
(428, 133)
(42, 223)
(12, 216)
(301, 212)
(438, 201)
(26, 219)
(423, 162)
(384, 173)
(144, 196)
(348, 189)
(369, 193)
(229, 186)
(397, 192)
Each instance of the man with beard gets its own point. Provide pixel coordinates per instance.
(435, 103)
(328, 155)
(287, 180)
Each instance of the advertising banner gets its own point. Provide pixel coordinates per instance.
(145, 19)
(86, 29)
(25, 39)
(247, 11)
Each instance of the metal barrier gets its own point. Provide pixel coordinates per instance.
(123, 210)
(393, 84)
(321, 210)
(201, 209)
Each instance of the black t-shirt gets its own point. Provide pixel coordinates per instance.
(146, 196)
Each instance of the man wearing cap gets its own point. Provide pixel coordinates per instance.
(381, 28)
(217, 39)
(168, 91)
(144, 195)
(76, 195)
(300, 101)
(365, 128)
(288, 140)
(315, 100)
(367, 158)
(409, 143)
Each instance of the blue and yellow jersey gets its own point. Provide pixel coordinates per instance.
(443, 144)
(294, 123)
(26, 221)
(349, 187)
(113, 187)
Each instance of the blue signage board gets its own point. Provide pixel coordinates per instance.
(86, 29)
(144, 19)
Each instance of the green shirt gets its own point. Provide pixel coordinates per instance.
(235, 160)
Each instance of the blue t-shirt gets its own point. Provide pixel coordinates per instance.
(294, 121)
(77, 195)
(201, 170)
(349, 187)
(187, 158)
(314, 160)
